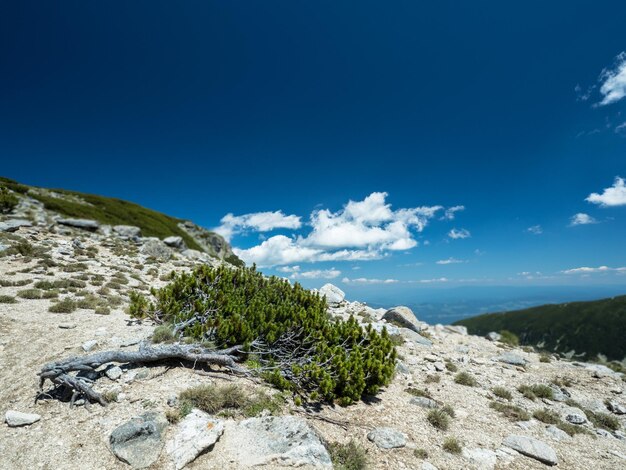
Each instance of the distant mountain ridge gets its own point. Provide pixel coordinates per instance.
(587, 329)
(113, 211)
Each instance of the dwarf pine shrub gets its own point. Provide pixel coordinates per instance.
(8, 200)
(303, 350)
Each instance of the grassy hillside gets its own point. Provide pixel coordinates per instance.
(594, 327)
(106, 210)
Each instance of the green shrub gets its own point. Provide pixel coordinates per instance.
(162, 334)
(508, 337)
(66, 305)
(502, 392)
(451, 366)
(573, 429)
(545, 358)
(536, 391)
(439, 419)
(547, 416)
(452, 445)
(602, 420)
(8, 200)
(7, 299)
(30, 294)
(514, 413)
(420, 453)
(350, 456)
(463, 378)
(447, 409)
(327, 359)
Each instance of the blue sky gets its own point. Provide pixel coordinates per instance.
(339, 135)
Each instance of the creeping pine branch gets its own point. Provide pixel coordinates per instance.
(61, 372)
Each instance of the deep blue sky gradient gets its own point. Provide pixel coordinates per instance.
(201, 108)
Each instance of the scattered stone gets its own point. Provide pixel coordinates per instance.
(14, 224)
(461, 330)
(114, 373)
(575, 416)
(428, 466)
(175, 242)
(411, 335)
(616, 408)
(533, 448)
(67, 326)
(334, 295)
(196, 433)
(511, 358)
(138, 442)
(424, 402)
(288, 440)
(483, 459)
(604, 433)
(559, 394)
(401, 368)
(439, 366)
(493, 336)
(617, 453)
(403, 316)
(89, 345)
(127, 231)
(156, 249)
(387, 438)
(17, 418)
(557, 434)
(83, 224)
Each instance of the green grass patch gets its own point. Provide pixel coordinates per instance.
(66, 305)
(439, 419)
(349, 456)
(7, 299)
(452, 445)
(464, 378)
(512, 412)
(502, 392)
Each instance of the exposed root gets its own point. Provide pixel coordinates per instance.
(60, 373)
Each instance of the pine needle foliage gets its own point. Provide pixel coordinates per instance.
(303, 350)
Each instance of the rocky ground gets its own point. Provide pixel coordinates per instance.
(88, 272)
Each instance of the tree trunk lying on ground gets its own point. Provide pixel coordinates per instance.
(60, 373)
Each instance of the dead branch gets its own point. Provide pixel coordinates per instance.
(60, 373)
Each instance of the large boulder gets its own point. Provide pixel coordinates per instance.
(83, 224)
(334, 295)
(403, 316)
(287, 440)
(175, 242)
(14, 224)
(512, 359)
(127, 231)
(138, 442)
(196, 433)
(411, 335)
(533, 448)
(17, 418)
(155, 248)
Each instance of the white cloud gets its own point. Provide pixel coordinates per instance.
(451, 261)
(449, 214)
(613, 87)
(535, 230)
(588, 270)
(362, 230)
(620, 128)
(296, 273)
(431, 281)
(364, 280)
(582, 219)
(612, 196)
(456, 234)
(257, 221)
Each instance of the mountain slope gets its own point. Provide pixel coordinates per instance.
(588, 328)
(113, 211)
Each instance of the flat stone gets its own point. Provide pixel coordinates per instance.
(574, 415)
(196, 433)
(483, 459)
(428, 466)
(424, 402)
(401, 368)
(439, 366)
(67, 326)
(138, 442)
(511, 358)
(533, 448)
(84, 224)
(156, 249)
(14, 224)
(17, 418)
(557, 434)
(403, 316)
(89, 345)
(334, 295)
(411, 335)
(127, 231)
(387, 438)
(458, 329)
(493, 336)
(175, 242)
(287, 440)
(616, 407)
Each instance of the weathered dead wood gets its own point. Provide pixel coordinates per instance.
(61, 372)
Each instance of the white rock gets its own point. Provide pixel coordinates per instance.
(89, 345)
(482, 459)
(17, 418)
(533, 448)
(403, 316)
(196, 433)
(387, 438)
(557, 434)
(428, 466)
(334, 295)
(114, 373)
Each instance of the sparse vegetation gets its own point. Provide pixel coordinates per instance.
(509, 338)
(502, 392)
(514, 413)
(7, 299)
(533, 392)
(66, 305)
(447, 409)
(452, 445)
(464, 378)
(451, 366)
(420, 453)
(439, 419)
(545, 358)
(417, 392)
(349, 456)
(547, 416)
(432, 378)
(8, 200)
